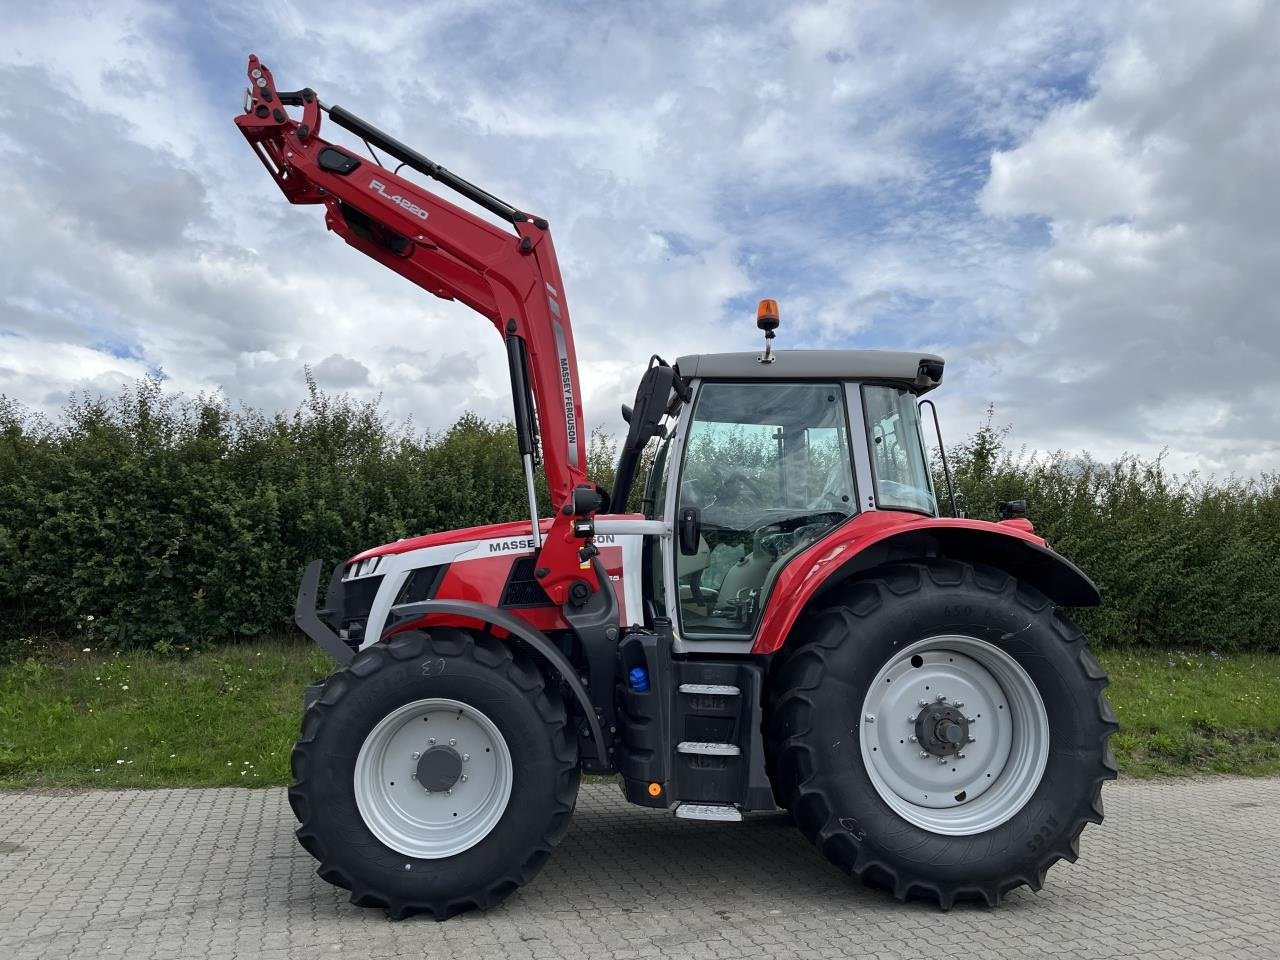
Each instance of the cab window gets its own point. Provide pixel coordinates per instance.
(767, 467)
(899, 466)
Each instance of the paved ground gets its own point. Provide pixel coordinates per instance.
(1181, 869)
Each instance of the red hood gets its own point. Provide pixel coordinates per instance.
(491, 531)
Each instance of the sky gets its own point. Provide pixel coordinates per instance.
(1075, 204)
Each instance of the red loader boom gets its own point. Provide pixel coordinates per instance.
(512, 279)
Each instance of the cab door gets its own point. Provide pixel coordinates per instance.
(764, 472)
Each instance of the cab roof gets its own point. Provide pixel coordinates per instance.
(919, 372)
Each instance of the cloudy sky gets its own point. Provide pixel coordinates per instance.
(1077, 205)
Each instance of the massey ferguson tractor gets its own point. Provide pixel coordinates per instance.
(788, 621)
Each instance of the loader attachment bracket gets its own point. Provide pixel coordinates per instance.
(309, 622)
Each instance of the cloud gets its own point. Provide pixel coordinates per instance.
(1066, 201)
(87, 170)
(336, 372)
(1153, 319)
(1071, 168)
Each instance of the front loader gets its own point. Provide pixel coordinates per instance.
(789, 621)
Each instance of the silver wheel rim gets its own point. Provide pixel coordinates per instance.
(994, 775)
(430, 824)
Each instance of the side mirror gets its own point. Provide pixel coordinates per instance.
(1008, 509)
(690, 530)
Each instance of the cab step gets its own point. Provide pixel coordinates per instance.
(709, 811)
(703, 749)
(710, 689)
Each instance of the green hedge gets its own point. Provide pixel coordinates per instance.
(1179, 561)
(155, 520)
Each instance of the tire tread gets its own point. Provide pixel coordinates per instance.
(490, 653)
(792, 765)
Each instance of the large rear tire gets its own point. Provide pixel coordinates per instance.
(434, 774)
(941, 732)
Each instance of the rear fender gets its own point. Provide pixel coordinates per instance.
(877, 538)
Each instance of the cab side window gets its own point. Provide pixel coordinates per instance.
(767, 467)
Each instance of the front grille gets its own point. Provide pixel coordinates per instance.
(358, 594)
(357, 600)
(421, 585)
(357, 597)
(523, 588)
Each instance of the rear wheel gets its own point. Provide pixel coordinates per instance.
(434, 774)
(942, 732)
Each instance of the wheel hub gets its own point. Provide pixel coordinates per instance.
(439, 769)
(942, 730)
(954, 735)
(433, 778)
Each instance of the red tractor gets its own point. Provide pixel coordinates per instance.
(787, 622)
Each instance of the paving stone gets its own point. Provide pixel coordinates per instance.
(1181, 869)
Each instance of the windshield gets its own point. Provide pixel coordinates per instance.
(898, 462)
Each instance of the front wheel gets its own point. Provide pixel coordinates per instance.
(434, 774)
(942, 732)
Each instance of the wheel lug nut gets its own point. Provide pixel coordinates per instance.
(924, 703)
(413, 776)
(924, 754)
(913, 738)
(466, 757)
(942, 698)
(448, 793)
(416, 755)
(453, 743)
(870, 718)
(942, 760)
(464, 778)
(973, 739)
(971, 719)
(431, 739)
(958, 703)
(959, 756)
(911, 719)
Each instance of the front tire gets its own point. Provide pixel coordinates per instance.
(434, 774)
(941, 732)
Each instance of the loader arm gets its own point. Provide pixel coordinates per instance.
(511, 277)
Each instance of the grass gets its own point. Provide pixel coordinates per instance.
(146, 720)
(230, 716)
(1195, 713)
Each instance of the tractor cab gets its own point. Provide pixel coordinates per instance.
(765, 459)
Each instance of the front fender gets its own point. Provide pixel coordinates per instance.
(410, 614)
(876, 538)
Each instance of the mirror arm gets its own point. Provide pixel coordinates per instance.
(942, 452)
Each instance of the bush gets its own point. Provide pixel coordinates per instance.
(158, 521)
(1179, 561)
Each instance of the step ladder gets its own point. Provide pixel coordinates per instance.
(708, 749)
(722, 812)
(710, 689)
